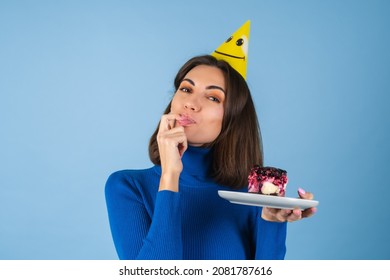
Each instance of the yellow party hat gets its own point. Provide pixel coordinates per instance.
(235, 49)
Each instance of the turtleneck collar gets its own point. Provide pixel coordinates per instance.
(197, 162)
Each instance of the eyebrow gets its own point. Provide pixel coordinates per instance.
(209, 87)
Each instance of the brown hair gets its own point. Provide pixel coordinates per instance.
(239, 146)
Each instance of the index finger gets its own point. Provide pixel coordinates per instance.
(168, 121)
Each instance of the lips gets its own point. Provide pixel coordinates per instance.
(185, 120)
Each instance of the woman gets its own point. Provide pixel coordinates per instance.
(207, 140)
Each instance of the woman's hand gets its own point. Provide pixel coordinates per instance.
(172, 143)
(287, 215)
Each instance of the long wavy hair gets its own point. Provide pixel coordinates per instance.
(239, 145)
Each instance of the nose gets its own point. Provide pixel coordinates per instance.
(191, 107)
(192, 104)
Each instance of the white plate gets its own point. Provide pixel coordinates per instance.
(254, 199)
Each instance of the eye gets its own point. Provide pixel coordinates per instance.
(185, 89)
(240, 42)
(229, 39)
(214, 99)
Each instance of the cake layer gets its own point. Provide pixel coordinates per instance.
(267, 180)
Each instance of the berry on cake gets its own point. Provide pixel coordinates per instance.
(267, 180)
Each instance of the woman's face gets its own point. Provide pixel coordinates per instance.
(199, 102)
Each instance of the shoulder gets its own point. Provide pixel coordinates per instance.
(130, 179)
(127, 176)
(119, 177)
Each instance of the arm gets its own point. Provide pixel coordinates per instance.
(172, 143)
(270, 240)
(136, 234)
(272, 228)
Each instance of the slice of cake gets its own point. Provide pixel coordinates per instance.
(267, 180)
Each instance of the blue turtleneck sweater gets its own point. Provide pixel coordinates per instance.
(194, 223)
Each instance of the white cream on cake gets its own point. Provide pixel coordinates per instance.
(269, 188)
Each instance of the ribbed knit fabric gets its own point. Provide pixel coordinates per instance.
(194, 223)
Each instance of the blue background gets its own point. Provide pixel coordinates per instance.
(83, 85)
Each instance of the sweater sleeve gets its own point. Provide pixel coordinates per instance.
(136, 234)
(270, 239)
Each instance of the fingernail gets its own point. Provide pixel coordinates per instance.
(301, 191)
